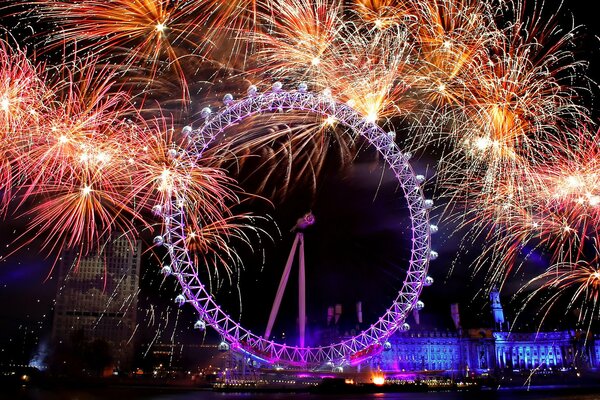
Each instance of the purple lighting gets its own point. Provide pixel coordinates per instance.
(304, 222)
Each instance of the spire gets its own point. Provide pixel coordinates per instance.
(497, 311)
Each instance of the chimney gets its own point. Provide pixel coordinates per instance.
(359, 316)
(416, 316)
(338, 312)
(455, 316)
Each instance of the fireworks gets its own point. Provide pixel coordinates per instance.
(576, 284)
(570, 194)
(369, 72)
(288, 149)
(150, 35)
(69, 166)
(454, 38)
(381, 14)
(86, 165)
(161, 170)
(508, 126)
(300, 38)
(494, 96)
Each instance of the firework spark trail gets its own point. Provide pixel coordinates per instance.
(132, 334)
(370, 72)
(453, 39)
(566, 202)
(298, 38)
(578, 282)
(211, 244)
(382, 14)
(229, 25)
(312, 42)
(289, 148)
(162, 170)
(507, 131)
(74, 171)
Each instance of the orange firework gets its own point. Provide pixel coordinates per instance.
(285, 148)
(454, 38)
(370, 71)
(22, 91)
(365, 67)
(521, 97)
(84, 213)
(573, 286)
(166, 178)
(229, 26)
(382, 14)
(147, 34)
(507, 126)
(299, 39)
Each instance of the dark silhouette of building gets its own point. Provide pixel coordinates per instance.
(96, 302)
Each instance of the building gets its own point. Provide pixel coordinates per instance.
(436, 351)
(486, 350)
(97, 299)
(517, 351)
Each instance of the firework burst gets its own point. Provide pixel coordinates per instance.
(552, 206)
(570, 195)
(382, 14)
(507, 129)
(288, 149)
(162, 170)
(299, 38)
(147, 34)
(73, 158)
(364, 66)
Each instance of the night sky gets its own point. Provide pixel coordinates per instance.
(357, 213)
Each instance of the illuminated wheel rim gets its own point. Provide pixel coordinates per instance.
(346, 352)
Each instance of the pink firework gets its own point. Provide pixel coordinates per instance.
(75, 176)
(162, 169)
(570, 196)
(23, 103)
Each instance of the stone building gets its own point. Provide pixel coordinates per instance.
(479, 351)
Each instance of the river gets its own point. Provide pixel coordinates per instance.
(128, 393)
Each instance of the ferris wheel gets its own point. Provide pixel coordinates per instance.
(349, 351)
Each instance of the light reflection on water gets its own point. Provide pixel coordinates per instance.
(174, 394)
